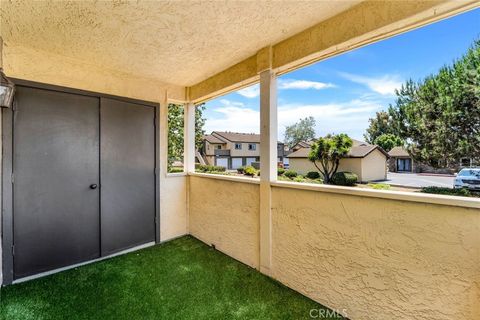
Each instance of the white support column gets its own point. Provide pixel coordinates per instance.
(163, 154)
(189, 143)
(268, 162)
(163, 128)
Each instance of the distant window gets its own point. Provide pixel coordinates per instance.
(252, 146)
(219, 147)
(238, 146)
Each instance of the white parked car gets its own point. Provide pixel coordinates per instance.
(468, 178)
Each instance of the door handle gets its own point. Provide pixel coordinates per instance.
(93, 186)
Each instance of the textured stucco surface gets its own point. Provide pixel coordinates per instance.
(173, 207)
(378, 259)
(226, 214)
(179, 42)
(44, 67)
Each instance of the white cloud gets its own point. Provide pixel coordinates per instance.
(285, 84)
(384, 85)
(233, 116)
(348, 117)
(228, 103)
(303, 84)
(250, 92)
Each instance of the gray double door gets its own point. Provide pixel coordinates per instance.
(84, 178)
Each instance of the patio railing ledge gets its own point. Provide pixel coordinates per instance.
(225, 177)
(455, 201)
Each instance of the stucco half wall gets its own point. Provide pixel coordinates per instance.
(226, 214)
(377, 258)
(173, 208)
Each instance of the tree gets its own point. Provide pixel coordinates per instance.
(199, 123)
(439, 116)
(304, 130)
(388, 141)
(379, 125)
(175, 133)
(326, 153)
(176, 130)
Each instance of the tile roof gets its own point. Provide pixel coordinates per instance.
(398, 152)
(359, 151)
(213, 139)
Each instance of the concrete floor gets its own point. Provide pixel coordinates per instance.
(418, 181)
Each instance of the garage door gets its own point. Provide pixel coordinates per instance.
(236, 163)
(222, 162)
(84, 182)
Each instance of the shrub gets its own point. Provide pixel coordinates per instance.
(207, 168)
(175, 170)
(202, 168)
(379, 186)
(344, 179)
(250, 171)
(313, 175)
(447, 191)
(299, 179)
(241, 170)
(280, 171)
(219, 169)
(258, 173)
(290, 174)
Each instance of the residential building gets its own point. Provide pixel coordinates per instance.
(368, 162)
(234, 149)
(401, 161)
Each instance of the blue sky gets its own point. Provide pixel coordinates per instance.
(343, 92)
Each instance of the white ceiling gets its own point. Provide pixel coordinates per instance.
(178, 42)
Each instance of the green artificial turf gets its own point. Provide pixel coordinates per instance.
(181, 279)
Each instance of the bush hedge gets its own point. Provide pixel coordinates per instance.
(250, 171)
(447, 191)
(208, 168)
(241, 170)
(290, 174)
(280, 171)
(175, 170)
(344, 179)
(313, 175)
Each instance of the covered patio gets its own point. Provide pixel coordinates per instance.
(368, 254)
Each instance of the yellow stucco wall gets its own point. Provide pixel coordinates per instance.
(376, 258)
(173, 207)
(39, 66)
(374, 166)
(226, 214)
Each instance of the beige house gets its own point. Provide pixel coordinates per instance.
(233, 150)
(367, 161)
(401, 161)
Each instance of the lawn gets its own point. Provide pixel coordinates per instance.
(181, 279)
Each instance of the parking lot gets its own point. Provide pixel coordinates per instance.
(415, 180)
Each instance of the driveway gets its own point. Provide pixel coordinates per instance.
(418, 180)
